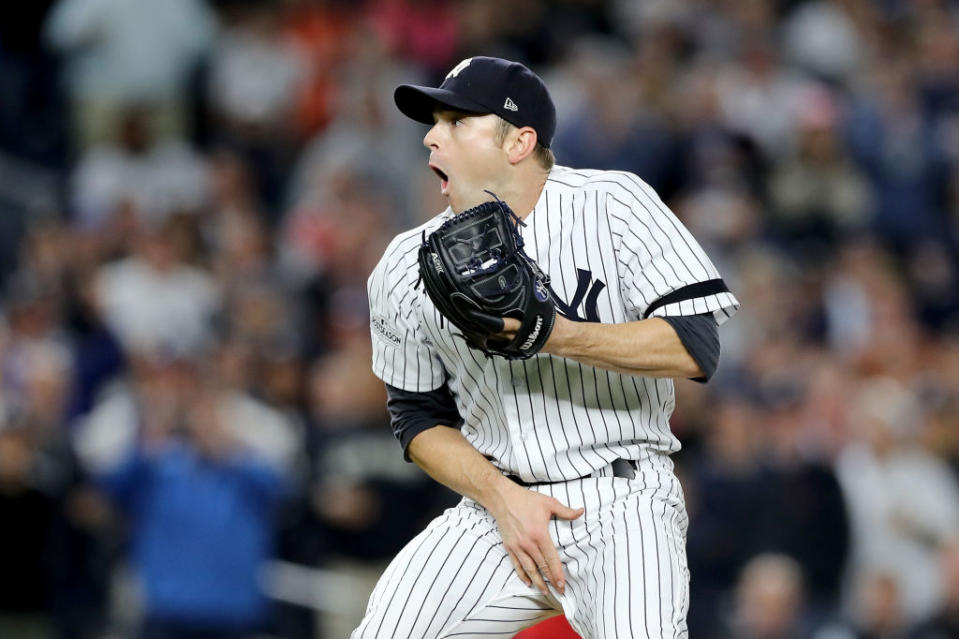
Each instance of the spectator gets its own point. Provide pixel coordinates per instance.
(945, 623)
(254, 77)
(275, 437)
(155, 302)
(50, 585)
(362, 135)
(121, 52)
(805, 516)
(823, 38)
(725, 494)
(155, 177)
(818, 195)
(617, 124)
(876, 611)
(758, 95)
(425, 31)
(769, 600)
(253, 72)
(903, 502)
(32, 123)
(200, 508)
(158, 383)
(322, 33)
(902, 153)
(26, 543)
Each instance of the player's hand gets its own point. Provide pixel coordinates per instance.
(510, 326)
(523, 519)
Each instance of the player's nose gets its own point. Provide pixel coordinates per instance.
(431, 139)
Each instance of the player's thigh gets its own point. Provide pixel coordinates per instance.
(631, 578)
(506, 613)
(439, 578)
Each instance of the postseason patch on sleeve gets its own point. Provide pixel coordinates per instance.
(384, 331)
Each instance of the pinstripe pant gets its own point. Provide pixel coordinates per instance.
(625, 563)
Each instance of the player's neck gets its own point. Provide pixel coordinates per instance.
(523, 194)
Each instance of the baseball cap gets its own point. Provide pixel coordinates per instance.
(484, 85)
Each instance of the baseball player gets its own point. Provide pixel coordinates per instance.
(570, 504)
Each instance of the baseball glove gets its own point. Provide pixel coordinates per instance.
(476, 272)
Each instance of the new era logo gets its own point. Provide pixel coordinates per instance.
(510, 105)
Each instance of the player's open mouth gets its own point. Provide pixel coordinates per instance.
(444, 179)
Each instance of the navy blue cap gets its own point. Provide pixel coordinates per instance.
(484, 85)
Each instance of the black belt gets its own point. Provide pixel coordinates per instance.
(623, 468)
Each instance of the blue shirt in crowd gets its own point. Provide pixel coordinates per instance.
(201, 530)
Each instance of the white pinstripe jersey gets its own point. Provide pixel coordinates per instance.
(612, 250)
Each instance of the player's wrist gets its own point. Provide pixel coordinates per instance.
(498, 493)
(562, 341)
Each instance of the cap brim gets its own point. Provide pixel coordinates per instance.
(419, 103)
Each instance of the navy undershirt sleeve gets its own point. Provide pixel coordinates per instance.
(411, 413)
(700, 335)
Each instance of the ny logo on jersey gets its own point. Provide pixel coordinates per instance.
(587, 288)
(459, 67)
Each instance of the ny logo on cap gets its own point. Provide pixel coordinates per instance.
(510, 105)
(459, 67)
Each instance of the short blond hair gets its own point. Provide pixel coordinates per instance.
(542, 154)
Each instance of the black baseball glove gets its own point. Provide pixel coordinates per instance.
(476, 272)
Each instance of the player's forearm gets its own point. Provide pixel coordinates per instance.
(450, 459)
(650, 347)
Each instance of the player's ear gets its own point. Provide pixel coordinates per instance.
(520, 144)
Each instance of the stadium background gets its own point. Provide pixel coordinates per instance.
(193, 193)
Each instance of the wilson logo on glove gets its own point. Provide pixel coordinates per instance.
(532, 336)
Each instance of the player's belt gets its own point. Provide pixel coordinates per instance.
(623, 468)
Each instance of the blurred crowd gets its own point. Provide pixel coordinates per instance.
(193, 193)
